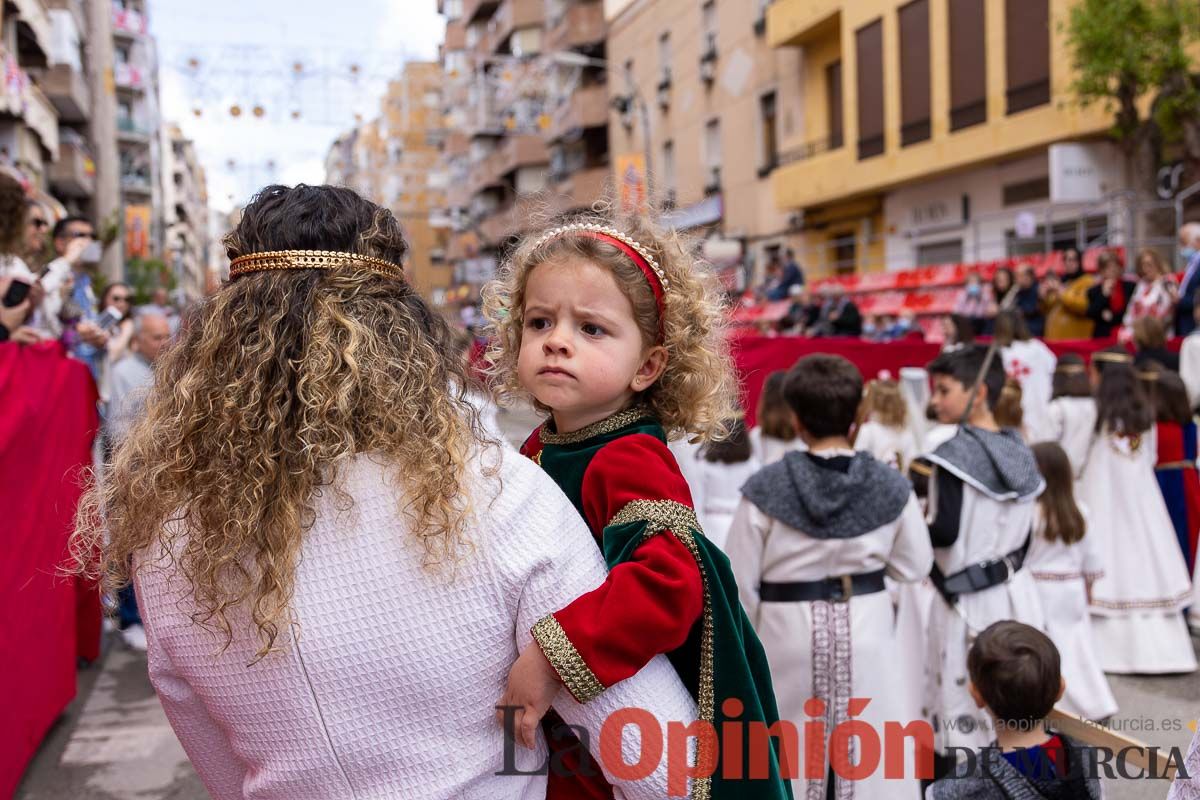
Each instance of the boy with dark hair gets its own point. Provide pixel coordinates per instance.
(982, 495)
(1015, 676)
(810, 543)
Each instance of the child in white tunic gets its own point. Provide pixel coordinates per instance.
(982, 499)
(774, 435)
(1072, 414)
(1065, 562)
(723, 468)
(885, 433)
(811, 541)
(1030, 363)
(1137, 604)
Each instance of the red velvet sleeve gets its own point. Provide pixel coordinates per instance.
(649, 603)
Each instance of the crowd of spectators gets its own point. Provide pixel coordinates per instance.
(52, 291)
(1068, 305)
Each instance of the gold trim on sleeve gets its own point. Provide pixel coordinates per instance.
(576, 675)
(669, 515)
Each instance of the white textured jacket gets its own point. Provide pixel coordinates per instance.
(388, 679)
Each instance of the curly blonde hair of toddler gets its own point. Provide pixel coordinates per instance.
(696, 395)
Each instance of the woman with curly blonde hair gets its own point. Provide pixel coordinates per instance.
(615, 330)
(322, 540)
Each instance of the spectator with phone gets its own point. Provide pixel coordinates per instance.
(116, 319)
(12, 318)
(70, 304)
(129, 382)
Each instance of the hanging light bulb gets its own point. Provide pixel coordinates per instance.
(259, 111)
(235, 110)
(197, 112)
(298, 67)
(295, 115)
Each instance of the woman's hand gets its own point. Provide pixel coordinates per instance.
(532, 686)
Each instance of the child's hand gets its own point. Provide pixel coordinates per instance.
(532, 686)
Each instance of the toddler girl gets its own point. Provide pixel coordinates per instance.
(885, 433)
(617, 334)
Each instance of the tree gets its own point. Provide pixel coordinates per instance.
(1126, 52)
(145, 275)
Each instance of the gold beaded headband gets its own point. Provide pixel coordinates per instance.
(310, 259)
(606, 233)
(1070, 369)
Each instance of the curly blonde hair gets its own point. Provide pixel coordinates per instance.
(695, 396)
(275, 384)
(885, 401)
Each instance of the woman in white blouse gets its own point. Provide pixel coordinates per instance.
(335, 569)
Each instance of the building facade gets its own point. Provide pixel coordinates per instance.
(934, 131)
(135, 78)
(526, 123)
(185, 214)
(704, 104)
(394, 161)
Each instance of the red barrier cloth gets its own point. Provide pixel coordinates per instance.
(755, 357)
(47, 423)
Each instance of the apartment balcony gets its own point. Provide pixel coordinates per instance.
(456, 35)
(512, 220)
(585, 108)
(515, 152)
(581, 25)
(78, 14)
(34, 31)
(67, 90)
(132, 132)
(514, 15)
(474, 10)
(579, 189)
(130, 77)
(792, 23)
(136, 184)
(484, 175)
(128, 24)
(74, 174)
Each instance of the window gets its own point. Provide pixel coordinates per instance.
(1027, 53)
(668, 172)
(664, 56)
(914, 72)
(869, 47)
(712, 156)
(947, 252)
(968, 64)
(1026, 191)
(833, 102)
(769, 154)
(845, 255)
(708, 28)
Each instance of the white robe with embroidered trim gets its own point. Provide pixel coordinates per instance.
(1137, 604)
(832, 650)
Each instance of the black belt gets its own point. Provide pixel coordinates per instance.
(839, 589)
(978, 577)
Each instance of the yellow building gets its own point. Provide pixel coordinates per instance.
(939, 131)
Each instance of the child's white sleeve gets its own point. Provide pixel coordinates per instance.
(911, 558)
(745, 546)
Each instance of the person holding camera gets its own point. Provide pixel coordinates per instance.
(12, 319)
(70, 304)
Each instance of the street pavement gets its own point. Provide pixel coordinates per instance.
(114, 742)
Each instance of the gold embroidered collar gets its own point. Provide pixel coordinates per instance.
(606, 425)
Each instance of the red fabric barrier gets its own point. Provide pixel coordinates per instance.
(755, 357)
(47, 423)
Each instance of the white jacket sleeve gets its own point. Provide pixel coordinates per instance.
(745, 546)
(911, 558)
(572, 566)
(206, 744)
(1189, 367)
